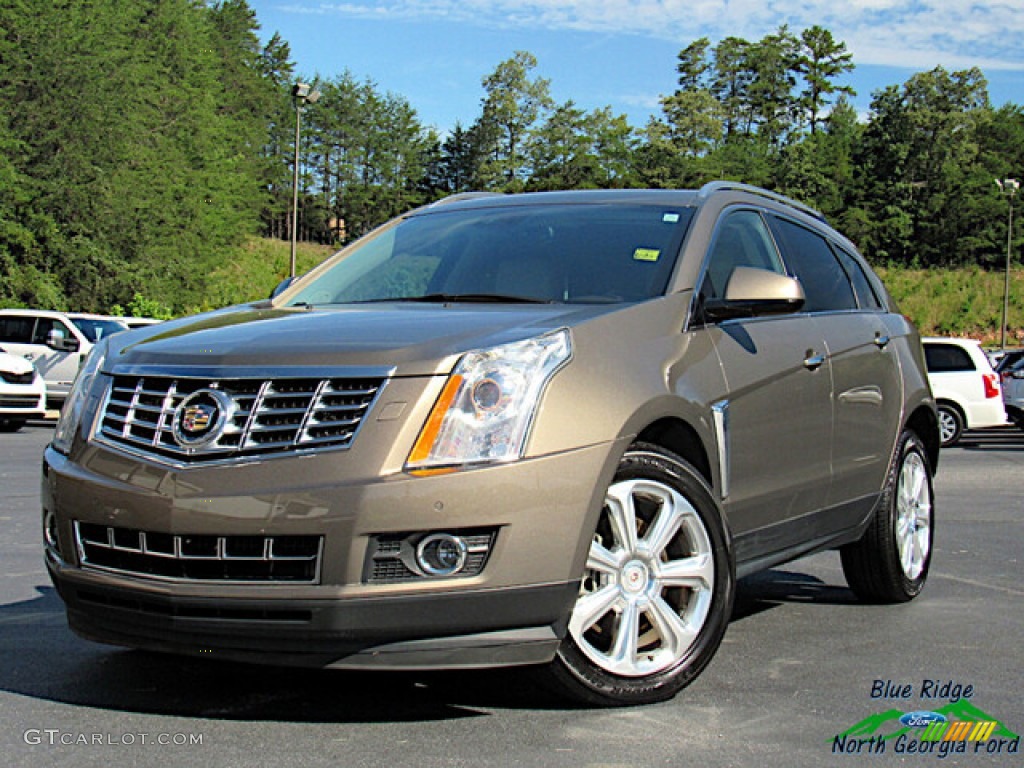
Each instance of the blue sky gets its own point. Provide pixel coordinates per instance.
(622, 53)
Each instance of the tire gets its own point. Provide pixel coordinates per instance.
(890, 562)
(951, 424)
(658, 588)
(11, 425)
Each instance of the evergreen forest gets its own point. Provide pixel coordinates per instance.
(145, 143)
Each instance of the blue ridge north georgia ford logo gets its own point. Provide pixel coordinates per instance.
(201, 417)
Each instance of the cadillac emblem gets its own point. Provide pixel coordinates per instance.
(201, 417)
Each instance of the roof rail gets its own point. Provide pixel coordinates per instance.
(725, 186)
(459, 196)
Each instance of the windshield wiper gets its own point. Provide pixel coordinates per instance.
(468, 298)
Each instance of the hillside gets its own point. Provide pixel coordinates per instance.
(943, 302)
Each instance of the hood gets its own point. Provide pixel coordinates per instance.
(15, 364)
(411, 339)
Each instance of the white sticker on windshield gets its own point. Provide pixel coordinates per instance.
(670, 218)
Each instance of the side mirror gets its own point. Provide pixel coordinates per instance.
(55, 339)
(756, 292)
(281, 287)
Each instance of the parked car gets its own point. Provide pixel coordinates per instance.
(56, 343)
(22, 392)
(546, 429)
(1011, 374)
(965, 387)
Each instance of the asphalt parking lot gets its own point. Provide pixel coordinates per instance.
(802, 663)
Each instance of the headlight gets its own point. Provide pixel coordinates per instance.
(485, 410)
(71, 413)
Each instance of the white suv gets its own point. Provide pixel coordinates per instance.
(55, 342)
(965, 387)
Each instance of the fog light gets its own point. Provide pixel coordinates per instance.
(441, 554)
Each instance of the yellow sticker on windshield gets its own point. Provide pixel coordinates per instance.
(646, 254)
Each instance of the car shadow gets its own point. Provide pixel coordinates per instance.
(999, 438)
(772, 588)
(41, 658)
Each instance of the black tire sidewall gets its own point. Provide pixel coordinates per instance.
(910, 444)
(872, 565)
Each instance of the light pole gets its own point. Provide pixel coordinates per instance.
(302, 94)
(1009, 188)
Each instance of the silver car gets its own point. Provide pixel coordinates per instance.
(548, 430)
(1011, 373)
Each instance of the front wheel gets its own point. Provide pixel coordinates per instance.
(657, 590)
(890, 563)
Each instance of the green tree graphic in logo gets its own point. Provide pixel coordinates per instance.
(886, 725)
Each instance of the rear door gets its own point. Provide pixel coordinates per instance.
(866, 381)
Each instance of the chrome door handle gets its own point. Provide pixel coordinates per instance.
(882, 341)
(814, 363)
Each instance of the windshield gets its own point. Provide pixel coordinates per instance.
(94, 330)
(586, 253)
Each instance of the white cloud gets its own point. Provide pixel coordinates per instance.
(908, 33)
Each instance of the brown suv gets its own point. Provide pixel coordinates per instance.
(544, 429)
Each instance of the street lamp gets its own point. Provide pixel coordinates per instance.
(1009, 188)
(302, 94)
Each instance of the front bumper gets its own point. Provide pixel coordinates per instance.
(514, 611)
(466, 629)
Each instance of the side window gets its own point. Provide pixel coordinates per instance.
(861, 285)
(16, 330)
(947, 358)
(811, 260)
(742, 240)
(46, 324)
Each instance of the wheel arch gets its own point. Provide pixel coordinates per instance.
(925, 424)
(677, 436)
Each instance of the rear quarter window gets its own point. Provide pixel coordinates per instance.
(947, 358)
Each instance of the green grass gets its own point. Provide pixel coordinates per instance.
(253, 270)
(958, 302)
(952, 302)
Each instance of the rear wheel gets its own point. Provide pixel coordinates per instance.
(890, 563)
(657, 591)
(951, 424)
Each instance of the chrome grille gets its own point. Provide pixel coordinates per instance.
(265, 415)
(202, 557)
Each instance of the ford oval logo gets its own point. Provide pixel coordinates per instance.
(201, 417)
(922, 719)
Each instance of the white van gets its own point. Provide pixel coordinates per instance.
(965, 387)
(55, 342)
